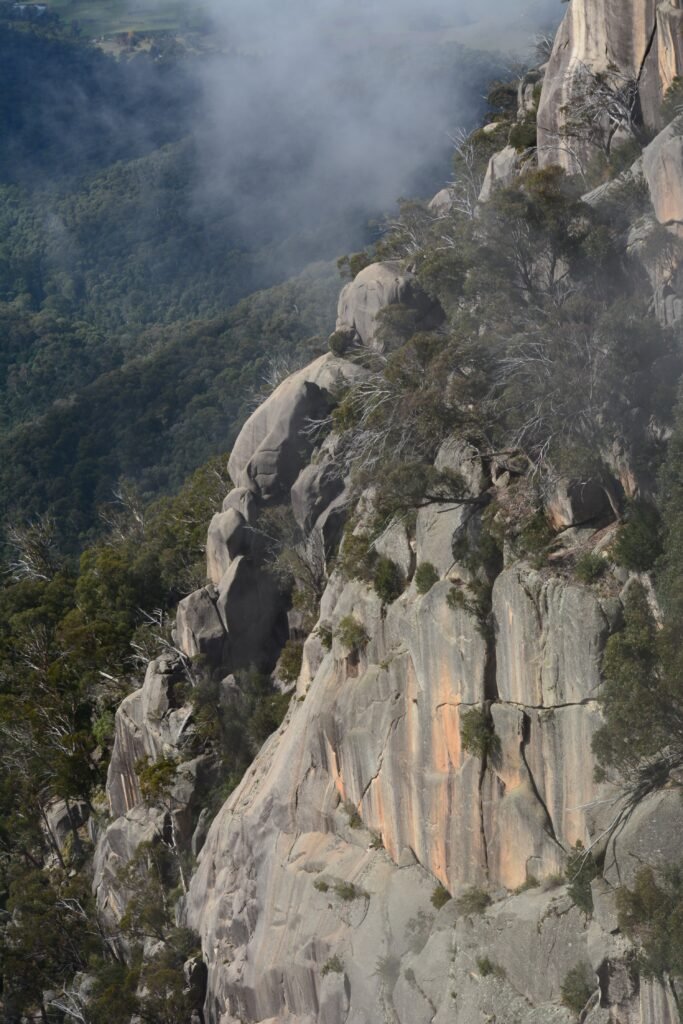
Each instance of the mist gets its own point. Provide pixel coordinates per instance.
(318, 110)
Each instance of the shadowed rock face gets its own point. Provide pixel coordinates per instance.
(642, 38)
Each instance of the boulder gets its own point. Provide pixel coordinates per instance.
(502, 170)
(442, 203)
(199, 629)
(274, 445)
(242, 500)
(663, 171)
(457, 456)
(228, 537)
(376, 287)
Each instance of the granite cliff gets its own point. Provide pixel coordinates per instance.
(322, 888)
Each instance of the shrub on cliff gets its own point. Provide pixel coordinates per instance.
(388, 580)
(478, 734)
(651, 913)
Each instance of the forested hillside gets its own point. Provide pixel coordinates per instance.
(119, 263)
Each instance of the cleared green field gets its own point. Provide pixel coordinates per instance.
(107, 17)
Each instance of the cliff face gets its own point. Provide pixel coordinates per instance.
(316, 890)
(639, 41)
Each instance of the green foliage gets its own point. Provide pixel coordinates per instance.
(577, 987)
(388, 580)
(531, 883)
(351, 266)
(478, 734)
(639, 540)
(347, 891)
(440, 897)
(357, 557)
(636, 703)
(156, 777)
(502, 97)
(488, 969)
(473, 902)
(590, 568)
(580, 871)
(321, 885)
(352, 634)
(355, 820)
(425, 577)
(523, 134)
(335, 965)
(326, 635)
(651, 913)
(291, 660)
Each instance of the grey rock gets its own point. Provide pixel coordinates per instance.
(394, 544)
(442, 203)
(314, 491)
(199, 629)
(650, 836)
(273, 446)
(253, 614)
(551, 635)
(438, 526)
(242, 500)
(377, 287)
(63, 818)
(502, 170)
(116, 850)
(228, 538)
(663, 171)
(462, 458)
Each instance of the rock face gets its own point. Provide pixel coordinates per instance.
(502, 170)
(663, 171)
(273, 446)
(376, 288)
(640, 38)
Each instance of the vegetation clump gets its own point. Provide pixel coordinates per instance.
(352, 634)
(590, 568)
(440, 897)
(388, 580)
(335, 965)
(473, 901)
(478, 734)
(426, 577)
(651, 913)
(577, 987)
(487, 968)
(580, 871)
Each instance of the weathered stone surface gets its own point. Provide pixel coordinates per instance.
(442, 203)
(639, 37)
(550, 639)
(663, 171)
(572, 502)
(457, 456)
(314, 491)
(64, 817)
(253, 615)
(502, 170)
(394, 544)
(149, 723)
(198, 627)
(242, 500)
(273, 446)
(376, 287)
(114, 852)
(650, 836)
(228, 537)
(438, 527)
